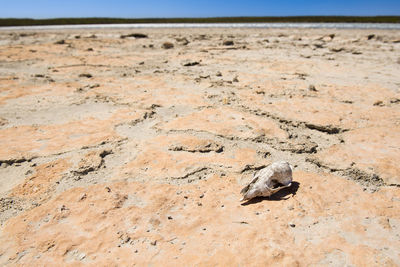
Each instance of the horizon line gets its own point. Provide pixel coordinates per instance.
(206, 17)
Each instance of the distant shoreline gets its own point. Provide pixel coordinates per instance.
(273, 25)
(9, 22)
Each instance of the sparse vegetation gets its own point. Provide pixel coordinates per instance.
(74, 21)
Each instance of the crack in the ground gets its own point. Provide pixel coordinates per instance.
(252, 168)
(329, 129)
(147, 115)
(302, 145)
(206, 149)
(196, 172)
(88, 167)
(17, 160)
(355, 174)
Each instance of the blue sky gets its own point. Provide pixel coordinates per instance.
(193, 8)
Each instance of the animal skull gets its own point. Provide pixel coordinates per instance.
(268, 181)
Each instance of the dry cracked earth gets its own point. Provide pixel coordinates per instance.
(121, 147)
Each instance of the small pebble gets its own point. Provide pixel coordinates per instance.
(312, 88)
(167, 45)
(228, 42)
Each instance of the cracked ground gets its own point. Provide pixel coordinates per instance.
(120, 149)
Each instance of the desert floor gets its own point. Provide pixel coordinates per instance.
(117, 150)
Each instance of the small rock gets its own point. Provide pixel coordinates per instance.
(394, 100)
(86, 75)
(125, 239)
(260, 92)
(167, 45)
(169, 217)
(219, 74)
(191, 63)
(336, 50)
(317, 45)
(312, 88)
(63, 207)
(292, 225)
(228, 42)
(3, 121)
(204, 76)
(135, 35)
(60, 42)
(379, 103)
(153, 243)
(182, 41)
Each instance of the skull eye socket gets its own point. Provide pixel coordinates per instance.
(276, 184)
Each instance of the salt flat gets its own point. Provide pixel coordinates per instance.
(118, 151)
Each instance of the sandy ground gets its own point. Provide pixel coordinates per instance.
(119, 151)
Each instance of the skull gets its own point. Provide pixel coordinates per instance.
(268, 181)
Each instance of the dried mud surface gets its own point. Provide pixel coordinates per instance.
(121, 147)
